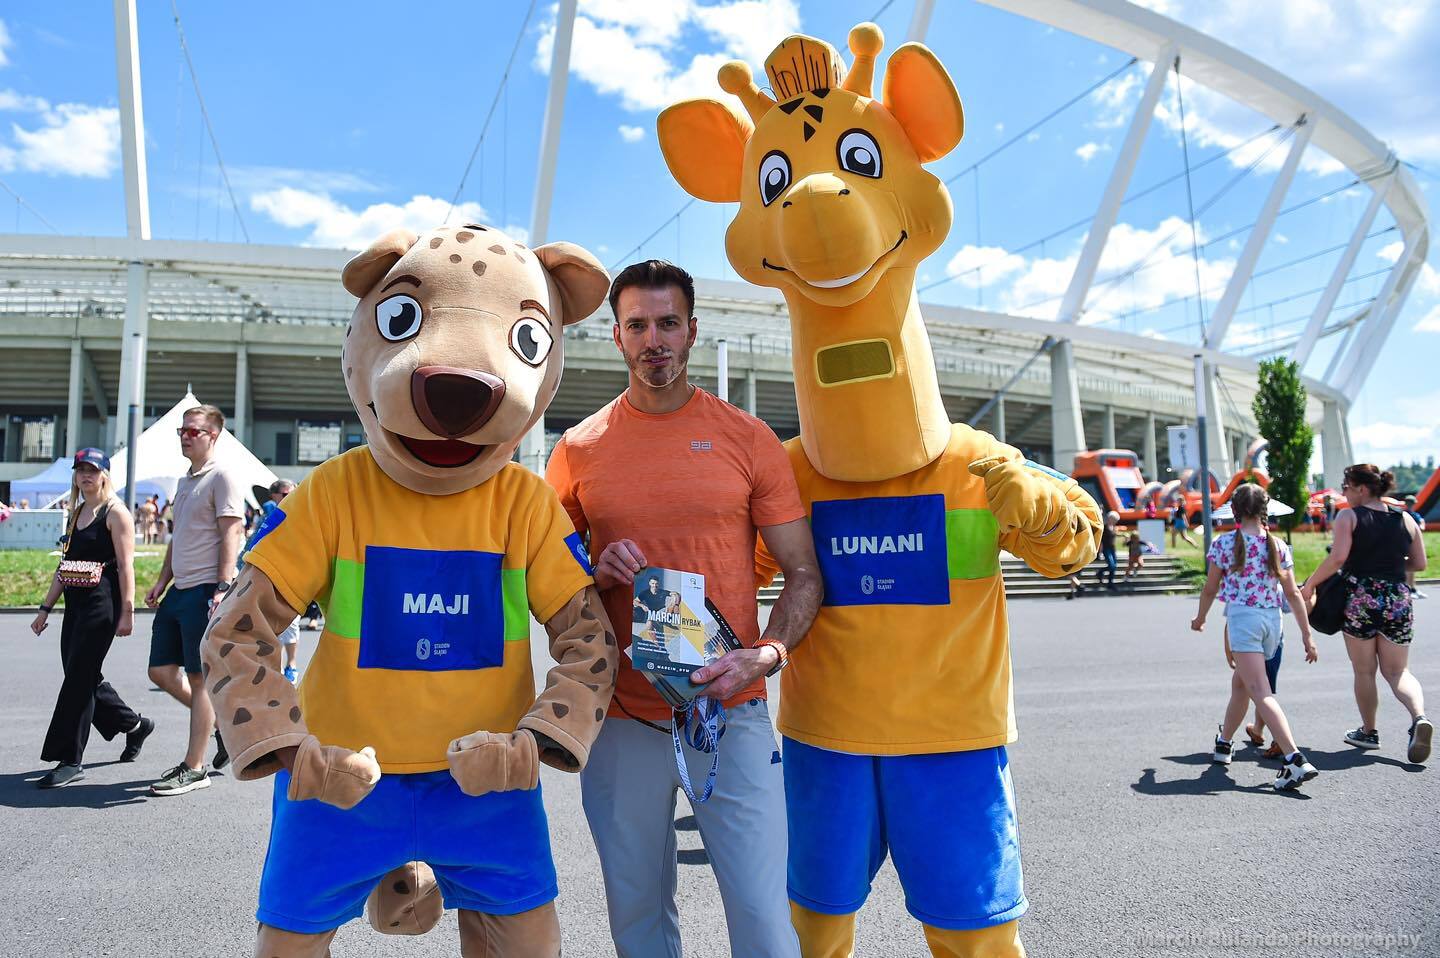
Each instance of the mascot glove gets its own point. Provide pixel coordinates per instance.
(335, 775)
(485, 762)
(1021, 497)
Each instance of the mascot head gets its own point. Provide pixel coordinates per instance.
(456, 347)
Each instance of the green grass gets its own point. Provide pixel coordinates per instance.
(1307, 547)
(25, 574)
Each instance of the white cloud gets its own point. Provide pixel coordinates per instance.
(976, 266)
(333, 224)
(1430, 322)
(73, 139)
(5, 43)
(634, 52)
(1393, 436)
(12, 102)
(1087, 151)
(631, 134)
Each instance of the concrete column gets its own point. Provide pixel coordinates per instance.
(722, 369)
(1335, 450)
(75, 408)
(240, 416)
(1152, 459)
(134, 343)
(999, 424)
(1219, 448)
(1107, 429)
(532, 448)
(751, 399)
(1067, 430)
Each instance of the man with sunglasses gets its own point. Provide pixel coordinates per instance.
(209, 509)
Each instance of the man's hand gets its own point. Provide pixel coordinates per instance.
(485, 762)
(618, 564)
(1197, 624)
(152, 598)
(335, 775)
(734, 671)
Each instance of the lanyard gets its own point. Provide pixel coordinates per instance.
(704, 736)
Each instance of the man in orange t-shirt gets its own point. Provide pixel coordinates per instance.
(669, 476)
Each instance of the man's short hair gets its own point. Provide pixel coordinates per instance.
(653, 274)
(213, 416)
(282, 487)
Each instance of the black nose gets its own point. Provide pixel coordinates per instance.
(454, 402)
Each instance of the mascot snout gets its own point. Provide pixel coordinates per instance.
(454, 402)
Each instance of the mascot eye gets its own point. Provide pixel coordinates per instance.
(398, 318)
(859, 153)
(530, 340)
(774, 175)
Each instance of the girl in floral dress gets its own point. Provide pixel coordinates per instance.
(1249, 569)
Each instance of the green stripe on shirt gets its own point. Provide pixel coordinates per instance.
(516, 602)
(347, 597)
(972, 541)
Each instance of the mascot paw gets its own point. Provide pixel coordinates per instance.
(335, 775)
(1017, 497)
(484, 762)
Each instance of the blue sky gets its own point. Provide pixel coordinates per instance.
(336, 127)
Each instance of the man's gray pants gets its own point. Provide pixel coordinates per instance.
(628, 789)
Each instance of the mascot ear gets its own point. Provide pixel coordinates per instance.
(579, 277)
(362, 273)
(703, 142)
(921, 96)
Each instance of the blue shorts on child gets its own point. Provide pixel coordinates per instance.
(490, 854)
(1253, 629)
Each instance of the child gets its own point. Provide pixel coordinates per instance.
(1135, 561)
(1256, 732)
(1248, 570)
(1107, 550)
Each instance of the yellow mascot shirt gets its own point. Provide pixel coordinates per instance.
(427, 602)
(910, 653)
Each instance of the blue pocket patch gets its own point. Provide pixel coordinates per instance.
(887, 550)
(431, 611)
(577, 549)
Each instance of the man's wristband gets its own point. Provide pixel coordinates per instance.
(780, 650)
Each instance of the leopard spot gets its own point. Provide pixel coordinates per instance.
(241, 717)
(401, 888)
(220, 685)
(226, 648)
(295, 713)
(204, 670)
(274, 703)
(561, 709)
(593, 688)
(519, 256)
(498, 249)
(259, 676)
(599, 715)
(244, 623)
(609, 638)
(590, 638)
(464, 236)
(349, 371)
(435, 243)
(479, 268)
(394, 924)
(600, 666)
(264, 648)
(244, 589)
(455, 257)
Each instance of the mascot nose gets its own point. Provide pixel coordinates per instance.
(454, 402)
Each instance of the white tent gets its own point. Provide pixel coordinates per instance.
(1225, 513)
(45, 487)
(159, 464)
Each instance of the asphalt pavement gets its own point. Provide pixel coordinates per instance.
(1133, 843)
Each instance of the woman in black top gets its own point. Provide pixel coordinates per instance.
(1374, 547)
(101, 530)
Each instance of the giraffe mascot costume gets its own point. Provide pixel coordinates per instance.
(897, 708)
(414, 743)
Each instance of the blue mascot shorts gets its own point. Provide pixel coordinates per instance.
(490, 854)
(948, 820)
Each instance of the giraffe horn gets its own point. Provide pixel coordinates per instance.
(736, 79)
(866, 41)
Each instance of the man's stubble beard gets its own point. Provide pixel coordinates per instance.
(643, 374)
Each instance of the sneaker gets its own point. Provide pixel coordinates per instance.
(222, 757)
(179, 780)
(135, 739)
(61, 775)
(291, 675)
(1222, 753)
(1360, 738)
(1420, 734)
(1294, 773)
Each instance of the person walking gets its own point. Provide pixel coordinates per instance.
(100, 530)
(1179, 525)
(1107, 550)
(209, 508)
(1249, 569)
(669, 476)
(1374, 548)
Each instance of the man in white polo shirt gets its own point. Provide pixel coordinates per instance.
(209, 509)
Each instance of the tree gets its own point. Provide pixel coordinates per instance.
(1280, 413)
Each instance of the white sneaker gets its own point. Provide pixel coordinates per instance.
(1295, 772)
(1223, 750)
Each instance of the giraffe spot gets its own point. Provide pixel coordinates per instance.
(259, 676)
(435, 243)
(294, 713)
(454, 257)
(264, 648)
(561, 709)
(600, 666)
(225, 649)
(820, 93)
(241, 717)
(498, 249)
(274, 703)
(464, 236)
(220, 685)
(401, 888)
(479, 268)
(809, 132)
(790, 106)
(244, 623)
(817, 112)
(599, 715)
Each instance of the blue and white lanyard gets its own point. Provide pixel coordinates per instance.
(704, 736)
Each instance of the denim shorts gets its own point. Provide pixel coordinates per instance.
(1253, 629)
(179, 625)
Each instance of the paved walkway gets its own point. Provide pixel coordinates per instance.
(1134, 844)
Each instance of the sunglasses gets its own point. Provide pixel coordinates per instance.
(190, 432)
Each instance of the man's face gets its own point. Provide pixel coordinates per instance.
(197, 436)
(654, 586)
(654, 332)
